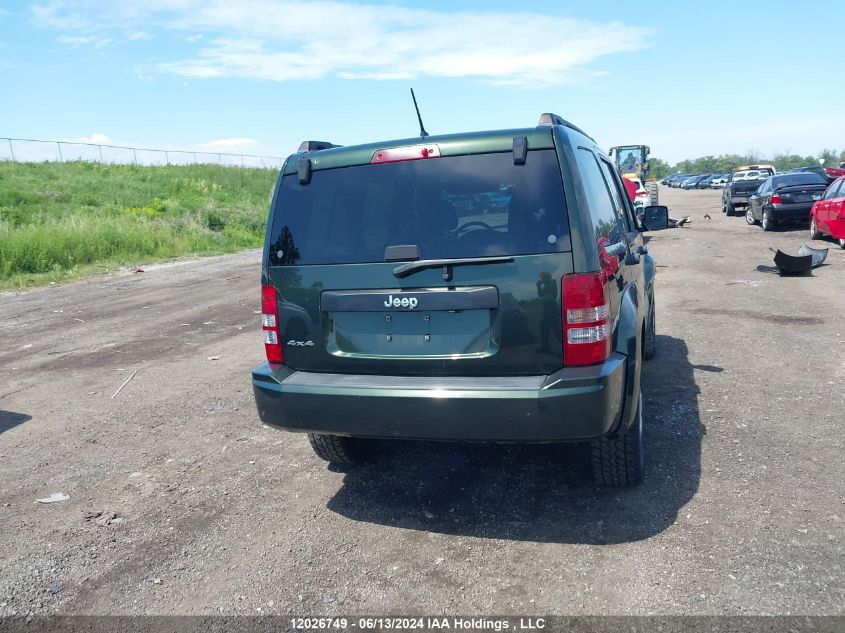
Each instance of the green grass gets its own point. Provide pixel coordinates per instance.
(60, 221)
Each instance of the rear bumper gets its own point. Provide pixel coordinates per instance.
(787, 212)
(739, 200)
(571, 404)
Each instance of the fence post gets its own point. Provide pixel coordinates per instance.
(166, 157)
(219, 159)
(12, 150)
(61, 158)
(135, 155)
(100, 147)
(195, 158)
(242, 160)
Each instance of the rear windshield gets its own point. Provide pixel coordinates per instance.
(459, 206)
(807, 178)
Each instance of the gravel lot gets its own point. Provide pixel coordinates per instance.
(181, 502)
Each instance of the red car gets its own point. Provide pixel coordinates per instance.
(827, 217)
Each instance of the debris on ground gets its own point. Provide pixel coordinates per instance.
(125, 382)
(806, 259)
(213, 358)
(104, 519)
(818, 254)
(137, 270)
(54, 498)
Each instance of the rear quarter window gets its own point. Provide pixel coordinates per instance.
(606, 222)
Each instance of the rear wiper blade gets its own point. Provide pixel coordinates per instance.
(412, 267)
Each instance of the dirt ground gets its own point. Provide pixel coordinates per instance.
(182, 502)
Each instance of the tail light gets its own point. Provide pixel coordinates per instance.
(776, 199)
(586, 319)
(270, 325)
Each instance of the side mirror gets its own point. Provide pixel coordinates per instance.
(656, 218)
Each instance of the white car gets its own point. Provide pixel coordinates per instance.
(643, 197)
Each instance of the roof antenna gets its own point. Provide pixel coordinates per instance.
(423, 133)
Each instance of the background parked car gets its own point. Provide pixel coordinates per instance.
(743, 182)
(784, 198)
(704, 183)
(828, 173)
(717, 182)
(692, 183)
(675, 179)
(827, 217)
(642, 198)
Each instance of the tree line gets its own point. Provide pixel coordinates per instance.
(726, 162)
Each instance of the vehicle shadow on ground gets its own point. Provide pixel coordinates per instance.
(9, 420)
(539, 492)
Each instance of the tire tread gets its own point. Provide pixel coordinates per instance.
(334, 448)
(617, 461)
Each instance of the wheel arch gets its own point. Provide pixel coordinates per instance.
(628, 341)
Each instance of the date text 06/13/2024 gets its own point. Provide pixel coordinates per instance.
(428, 623)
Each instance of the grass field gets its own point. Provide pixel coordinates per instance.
(64, 220)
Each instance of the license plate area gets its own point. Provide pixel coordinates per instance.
(441, 334)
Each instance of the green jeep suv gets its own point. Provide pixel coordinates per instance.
(488, 286)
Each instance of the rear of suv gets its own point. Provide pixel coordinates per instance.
(486, 286)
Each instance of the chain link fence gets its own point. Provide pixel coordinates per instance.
(23, 150)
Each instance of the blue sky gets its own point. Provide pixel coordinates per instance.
(259, 76)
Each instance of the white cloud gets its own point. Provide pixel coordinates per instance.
(283, 40)
(138, 36)
(228, 144)
(73, 41)
(96, 138)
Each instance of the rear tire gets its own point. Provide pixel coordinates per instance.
(618, 461)
(729, 209)
(814, 230)
(767, 223)
(337, 449)
(749, 217)
(842, 243)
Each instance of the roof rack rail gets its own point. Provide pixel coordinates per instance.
(313, 146)
(550, 118)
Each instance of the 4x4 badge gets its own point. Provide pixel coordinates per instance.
(404, 302)
(293, 343)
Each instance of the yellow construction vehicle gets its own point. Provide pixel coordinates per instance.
(632, 162)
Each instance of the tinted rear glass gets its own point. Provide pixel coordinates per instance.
(459, 206)
(806, 178)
